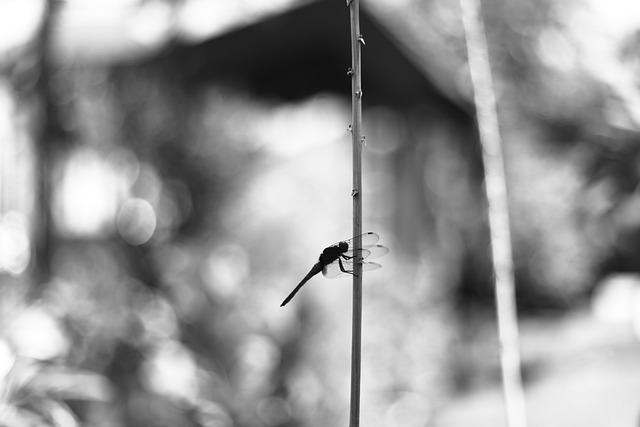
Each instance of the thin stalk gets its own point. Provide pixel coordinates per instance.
(496, 188)
(46, 132)
(356, 128)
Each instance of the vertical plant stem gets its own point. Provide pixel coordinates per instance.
(356, 136)
(496, 188)
(44, 139)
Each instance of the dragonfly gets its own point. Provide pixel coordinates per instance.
(337, 260)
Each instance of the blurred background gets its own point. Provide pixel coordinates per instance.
(170, 169)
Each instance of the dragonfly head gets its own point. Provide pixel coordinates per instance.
(343, 246)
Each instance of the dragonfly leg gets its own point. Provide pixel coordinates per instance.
(344, 270)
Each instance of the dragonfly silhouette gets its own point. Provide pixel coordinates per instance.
(337, 260)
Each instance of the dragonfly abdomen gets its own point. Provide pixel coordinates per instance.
(317, 268)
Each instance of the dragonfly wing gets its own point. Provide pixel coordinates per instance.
(368, 239)
(371, 252)
(332, 270)
(368, 266)
(375, 251)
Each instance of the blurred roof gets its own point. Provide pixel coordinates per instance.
(298, 46)
(306, 50)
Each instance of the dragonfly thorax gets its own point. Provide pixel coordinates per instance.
(332, 253)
